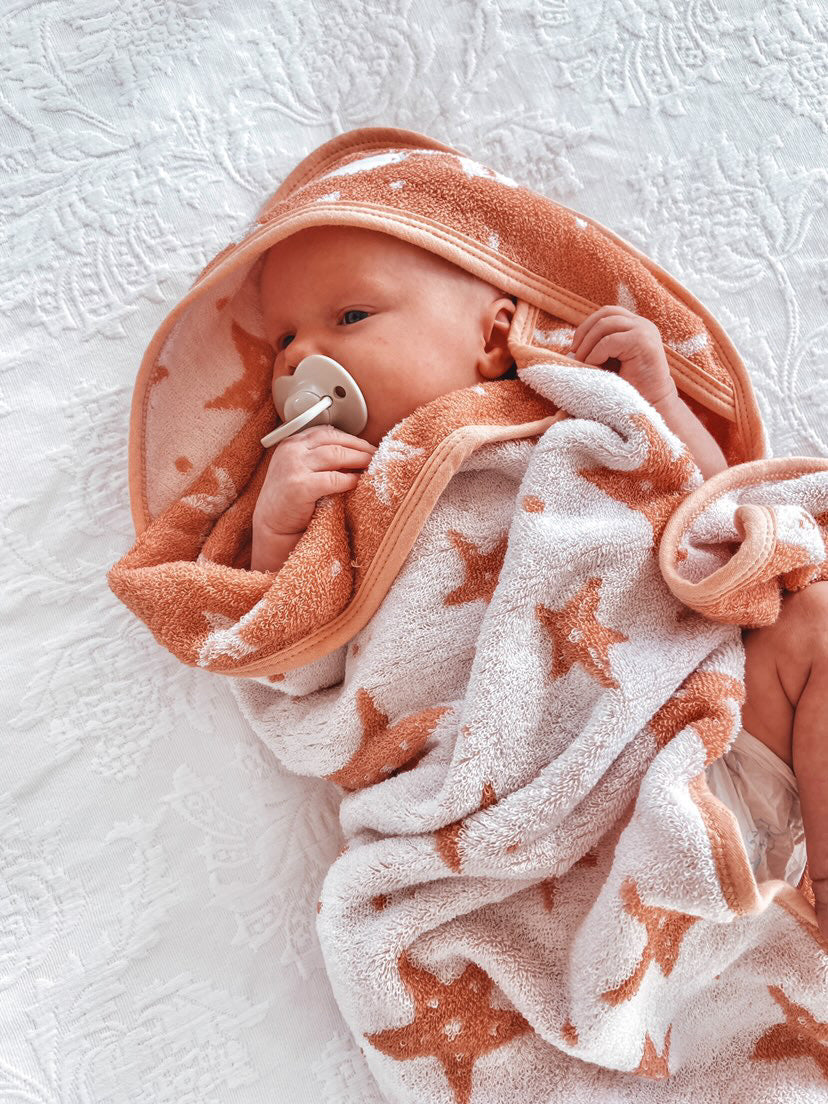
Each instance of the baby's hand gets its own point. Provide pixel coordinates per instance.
(305, 467)
(615, 332)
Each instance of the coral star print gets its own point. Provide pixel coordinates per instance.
(384, 748)
(453, 1022)
(381, 472)
(482, 569)
(800, 1036)
(653, 1064)
(665, 929)
(577, 636)
(655, 487)
(691, 705)
(448, 837)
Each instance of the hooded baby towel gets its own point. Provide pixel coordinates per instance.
(515, 646)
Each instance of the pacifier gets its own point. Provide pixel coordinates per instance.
(320, 392)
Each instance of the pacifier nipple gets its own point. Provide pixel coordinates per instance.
(319, 392)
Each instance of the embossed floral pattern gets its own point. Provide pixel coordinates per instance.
(160, 869)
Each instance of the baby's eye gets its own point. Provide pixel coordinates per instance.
(286, 339)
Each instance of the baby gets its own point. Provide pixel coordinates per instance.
(411, 326)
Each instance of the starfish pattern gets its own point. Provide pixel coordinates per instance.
(482, 569)
(652, 1063)
(383, 749)
(569, 1033)
(248, 392)
(666, 928)
(590, 858)
(655, 488)
(800, 1036)
(701, 700)
(578, 637)
(547, 886)
(213, 504)
(223, 638)
(453, 1022)
(389, 470)
(448, 836)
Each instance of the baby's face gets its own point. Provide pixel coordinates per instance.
(406, 324)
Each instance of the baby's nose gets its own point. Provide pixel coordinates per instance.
(297, 351)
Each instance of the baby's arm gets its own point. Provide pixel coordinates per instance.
(684, 423)
(615, 332)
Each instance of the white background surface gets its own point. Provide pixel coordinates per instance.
(158, 870)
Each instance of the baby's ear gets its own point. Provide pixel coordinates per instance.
(495, 359)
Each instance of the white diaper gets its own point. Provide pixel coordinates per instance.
(761, 791)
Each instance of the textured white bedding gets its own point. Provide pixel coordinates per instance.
(158, 870)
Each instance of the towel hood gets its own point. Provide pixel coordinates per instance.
(208, 368)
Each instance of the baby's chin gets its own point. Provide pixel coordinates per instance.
(374, 431)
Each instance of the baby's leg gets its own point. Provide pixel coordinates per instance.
(786, 707)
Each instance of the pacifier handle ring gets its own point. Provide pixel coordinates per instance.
(297, 423)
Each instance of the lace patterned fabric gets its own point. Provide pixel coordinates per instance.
(160, 869)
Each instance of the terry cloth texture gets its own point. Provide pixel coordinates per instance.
(514, 645)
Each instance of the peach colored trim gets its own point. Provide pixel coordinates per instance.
(397, 542)
(758, 524)
(523, 338)
(741, 891)
(728, 849)
(747, 416)
(458, 249)
(744, 408)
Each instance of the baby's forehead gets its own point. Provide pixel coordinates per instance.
(367, 252)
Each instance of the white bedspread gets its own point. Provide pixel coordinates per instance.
(159, 870)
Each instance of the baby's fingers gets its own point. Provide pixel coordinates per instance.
(324, 435)
(612, 347)
(327, 457)
(611, 315)
(615, 326)
(333, 482)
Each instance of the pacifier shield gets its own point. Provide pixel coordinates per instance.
(318, 377)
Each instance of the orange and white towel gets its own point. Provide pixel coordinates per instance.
(515, 646)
